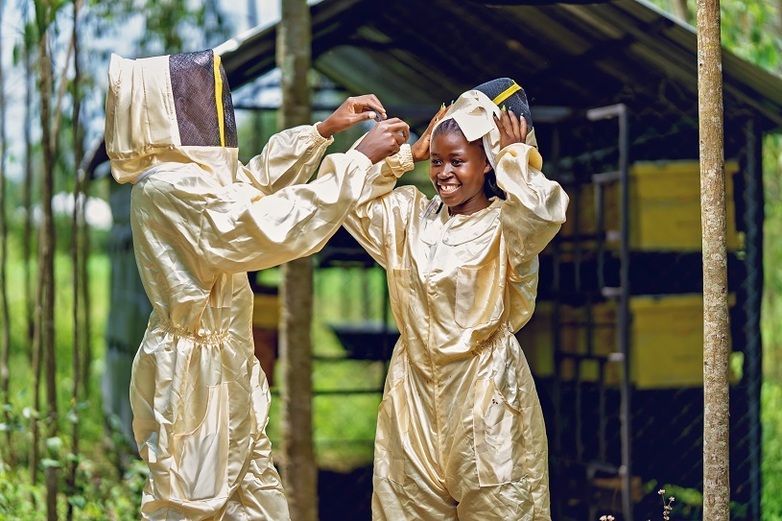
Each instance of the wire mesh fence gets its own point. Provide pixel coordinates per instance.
(570, 343)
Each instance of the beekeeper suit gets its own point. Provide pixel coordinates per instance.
(460, 432)
(200, 221)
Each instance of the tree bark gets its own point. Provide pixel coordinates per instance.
(299, 470)
(681, 10)
(46, 251)
(29, 75)
(5, 340)
(79, 201)
(716, 482)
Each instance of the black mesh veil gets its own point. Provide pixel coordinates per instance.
(505, 91)
(202, 98)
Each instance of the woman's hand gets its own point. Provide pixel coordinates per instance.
(353, 110)
(513, 128)
(420, 149)
(384, 139)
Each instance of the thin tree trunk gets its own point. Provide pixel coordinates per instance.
(779, 28)
(84, 288)
(29, 297)
(299, 469)
(33, 300)
(46, 256)
(716, 467)
(79, 198)
(681, 10)
(5, 340)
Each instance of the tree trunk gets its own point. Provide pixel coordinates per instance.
(681, 10)
(5, 340)
(79, 200)
(779, 17)
(84, 287)
(299, 471)
(33, 300)
(716, 482)
(29, 75)
(46, 254)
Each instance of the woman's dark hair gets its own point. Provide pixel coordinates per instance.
(490, 188)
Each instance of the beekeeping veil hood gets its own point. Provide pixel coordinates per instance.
(474, 110)
(173, 108)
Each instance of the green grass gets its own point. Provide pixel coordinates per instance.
(106, 490)
(110, 483)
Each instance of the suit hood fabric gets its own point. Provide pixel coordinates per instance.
(173, 108)
(474, 112)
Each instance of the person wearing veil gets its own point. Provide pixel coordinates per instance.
(460, 431)
(200, 220)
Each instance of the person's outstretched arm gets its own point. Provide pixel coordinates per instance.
(292, 156)
(380, 219)
(242, 229)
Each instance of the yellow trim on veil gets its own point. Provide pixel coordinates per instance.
(219, 98)
(502, 96)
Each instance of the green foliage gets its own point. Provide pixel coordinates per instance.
(750, 29)
(772, 296)
(110, 478)
(771, 418)
(344, 423)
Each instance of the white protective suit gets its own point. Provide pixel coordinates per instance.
(200, 221)
(460, 431)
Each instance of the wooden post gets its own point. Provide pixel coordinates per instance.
(299, 469)
(716, 425)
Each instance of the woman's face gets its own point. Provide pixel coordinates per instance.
(457, 170)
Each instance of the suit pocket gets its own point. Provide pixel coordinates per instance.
(499, 441)
(478, 296)
(202, 451)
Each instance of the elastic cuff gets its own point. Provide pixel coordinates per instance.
(316, 138)
(402, 161)
(534, 159)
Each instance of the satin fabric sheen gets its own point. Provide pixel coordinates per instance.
(460, 431)
(200, 220)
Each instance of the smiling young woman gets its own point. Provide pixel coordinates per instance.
(460, 431)
(458, 169)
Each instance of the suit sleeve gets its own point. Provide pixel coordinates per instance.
(243, 229)
(379, 219)
(535, 206)
(290, 157)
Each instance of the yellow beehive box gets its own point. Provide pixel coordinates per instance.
(664, 206)
(666, 341)
(266, 310)
(537, 342)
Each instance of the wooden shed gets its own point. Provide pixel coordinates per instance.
(616, 340)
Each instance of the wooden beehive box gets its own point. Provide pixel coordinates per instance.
(664, 207)
(666, 341)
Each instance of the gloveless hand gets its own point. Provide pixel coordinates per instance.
(420, 149)
(353, 110)
(384, 139)
(513, 129)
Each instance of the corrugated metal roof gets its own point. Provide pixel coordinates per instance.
(417, 54)
(572, 55)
